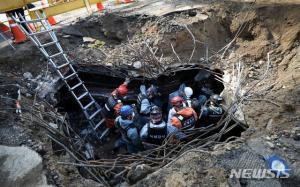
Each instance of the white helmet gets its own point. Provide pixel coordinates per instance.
(188, 91)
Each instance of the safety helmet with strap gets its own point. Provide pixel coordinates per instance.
(126, 111)
(122, 90)
(217, 99)
(188, 91)
(155, 115)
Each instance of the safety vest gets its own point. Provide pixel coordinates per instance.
(156, 135)
(124, 131)
(186, 121)
(215, 113)
(108, 109)
(188, 102)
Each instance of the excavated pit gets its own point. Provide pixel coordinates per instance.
(101, 83)
(273, 120)
(101, 79)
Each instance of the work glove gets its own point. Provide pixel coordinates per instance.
(143, 89)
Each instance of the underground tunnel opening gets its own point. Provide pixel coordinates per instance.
(102, 81)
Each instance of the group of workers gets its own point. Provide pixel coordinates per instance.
(142, 126)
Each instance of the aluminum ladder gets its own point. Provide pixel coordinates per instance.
(54, 53)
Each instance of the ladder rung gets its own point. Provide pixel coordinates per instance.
(40, 32)
(76, 86)
(52, 56)
(33, 20)
(47, 44)
(102, 120)
(104, 133)
(80, 97)
(90, 104)
(93, 115)
(63, 65)
(69, 76)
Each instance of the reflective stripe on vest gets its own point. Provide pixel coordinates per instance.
(109, 107)
(185, 122)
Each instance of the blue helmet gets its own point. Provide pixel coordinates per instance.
(126, 111)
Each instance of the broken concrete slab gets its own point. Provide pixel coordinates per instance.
(72, 31)
(20, 166)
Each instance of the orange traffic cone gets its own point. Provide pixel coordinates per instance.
(16, 31)
(51, 20)
(100, 7)
(4, 28)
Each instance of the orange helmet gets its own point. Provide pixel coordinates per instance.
(177, 101)
(122, 90)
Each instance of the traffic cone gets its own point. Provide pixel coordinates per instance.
(51, 20)
(4, 28)
(100, 7)
(16, 31)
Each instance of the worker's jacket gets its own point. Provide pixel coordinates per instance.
(184, 118)
(211, 114)
(128, 131)
(144, 104)
(111, 110)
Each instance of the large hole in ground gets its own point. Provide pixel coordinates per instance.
(101, 82)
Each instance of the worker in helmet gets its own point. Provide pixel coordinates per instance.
(156, 130)
(129, 133)
(185, 92)
(114, 103)
(147, 99)
(181, 116)
(179, 92)
(213, 112)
